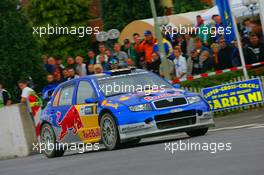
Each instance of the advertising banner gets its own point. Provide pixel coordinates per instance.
(234, 95)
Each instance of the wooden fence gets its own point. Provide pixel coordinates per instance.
(255, 106)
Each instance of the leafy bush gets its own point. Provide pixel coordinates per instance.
(118, 13)
(19, 52)
(60, 13)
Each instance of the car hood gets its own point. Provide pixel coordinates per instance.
(145, 97)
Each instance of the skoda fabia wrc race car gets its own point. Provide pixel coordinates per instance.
(119, 108)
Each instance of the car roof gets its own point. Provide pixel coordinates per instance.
(102, 75)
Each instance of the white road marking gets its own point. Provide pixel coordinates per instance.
(253, 125)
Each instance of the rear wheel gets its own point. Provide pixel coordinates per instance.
(197, 132)
(48, 139)
(109, 132)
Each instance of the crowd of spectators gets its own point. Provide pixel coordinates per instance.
(187, 54)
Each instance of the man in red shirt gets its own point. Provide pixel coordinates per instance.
(147, 46)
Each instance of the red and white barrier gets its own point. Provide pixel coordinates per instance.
(218, 72)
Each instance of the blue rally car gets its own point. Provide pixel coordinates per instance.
(119, 108)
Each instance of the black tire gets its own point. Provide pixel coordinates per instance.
(109, 132)
(47, 135)
(197, 132)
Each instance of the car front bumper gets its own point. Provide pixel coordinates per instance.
(147, 129)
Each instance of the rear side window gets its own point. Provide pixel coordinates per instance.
(66, 95)
(85, 90)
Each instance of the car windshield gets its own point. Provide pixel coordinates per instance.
(131, 83)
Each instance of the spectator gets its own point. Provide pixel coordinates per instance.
(198, 44)
(155, 64)
(26, 91)
(189, 44)
(103, 63)
(193, 64)
(59, 63)
(90, 69)
(182, 44)
(254, 52)
(91, 58)
(120, 55)
(206, 62)
(5, 97)
(80, 66)
(129, 49)
(49, 88)
(225, 54)
(147, 46)
(215, 51)
(246, 30)
(98, 69)
(236, 61)
(72, 74)
(102, 50)
(217, 24)
(202, 29)
(58, 78)
(51, 65)
(179, 63)
(65, 74)
(167, 47)
(137, 42)
(113, 64)
(70, 62)
(257, 29)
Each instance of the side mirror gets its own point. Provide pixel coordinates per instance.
(178, 86)
(90, 100)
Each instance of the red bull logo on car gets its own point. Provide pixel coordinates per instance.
(71, 121)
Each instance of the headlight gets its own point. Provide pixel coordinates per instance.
(193, 99)
(142, 107)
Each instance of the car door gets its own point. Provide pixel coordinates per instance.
(90, 132)
(65, 115)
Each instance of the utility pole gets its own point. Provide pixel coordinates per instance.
(239, 43)
(261, 7)
(164, 60)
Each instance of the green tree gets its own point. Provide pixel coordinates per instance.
(183, 6)
(73, 15)
(19, 52)
(118, 13)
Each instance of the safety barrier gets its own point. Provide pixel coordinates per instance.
(17, 132)
(218, 72)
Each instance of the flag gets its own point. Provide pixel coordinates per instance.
(225, 13)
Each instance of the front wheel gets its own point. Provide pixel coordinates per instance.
(109, 132)
(197, 132)
(48, 139)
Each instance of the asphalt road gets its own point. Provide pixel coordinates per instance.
(153, 157)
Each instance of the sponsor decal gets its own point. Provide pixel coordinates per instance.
(150, 98)
(176, 110)
(108, 103)
(123, 98)
(91, 133)
(86, 110)
(71, 121)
